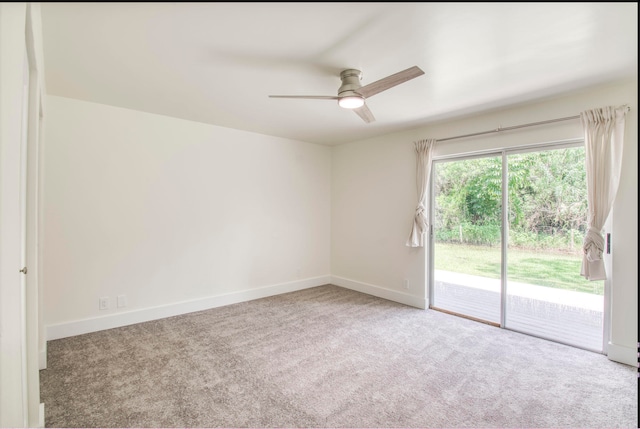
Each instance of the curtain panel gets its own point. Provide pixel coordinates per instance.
(603, 139)
(423, 172)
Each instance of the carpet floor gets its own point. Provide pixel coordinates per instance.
(330, 357)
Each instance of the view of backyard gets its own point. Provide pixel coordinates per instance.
(557, 270)
(547, 212)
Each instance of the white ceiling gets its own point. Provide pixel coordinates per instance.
(217, 63)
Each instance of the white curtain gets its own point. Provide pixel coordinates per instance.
(423, 171)
(603, 139)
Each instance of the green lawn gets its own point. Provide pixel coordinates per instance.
(545, 269)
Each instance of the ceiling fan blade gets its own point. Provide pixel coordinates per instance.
(365, 113)
(310, 97)
(389, 82)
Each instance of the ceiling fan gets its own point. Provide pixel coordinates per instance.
(352, 96)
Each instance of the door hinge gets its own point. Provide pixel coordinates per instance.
(24, 270)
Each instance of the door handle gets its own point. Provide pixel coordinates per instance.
(24, 270)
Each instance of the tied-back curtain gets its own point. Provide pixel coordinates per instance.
(423, 171)
(603, 139)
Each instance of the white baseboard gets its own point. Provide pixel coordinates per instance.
(42, 357)
(622, 354)
(380, 292)
(79, 327)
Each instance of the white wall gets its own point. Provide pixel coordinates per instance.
(374, 197)
(176, 215)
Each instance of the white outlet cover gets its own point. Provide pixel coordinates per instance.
(104, 303)
(122, 301)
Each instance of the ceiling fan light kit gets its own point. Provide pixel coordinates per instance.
(351, 102)
(352, 96)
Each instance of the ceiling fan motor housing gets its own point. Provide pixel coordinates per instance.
(350, 83)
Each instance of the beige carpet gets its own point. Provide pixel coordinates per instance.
(330, 357)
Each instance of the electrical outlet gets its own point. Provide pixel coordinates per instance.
(406, 284)
(104, 303)
(122, 301)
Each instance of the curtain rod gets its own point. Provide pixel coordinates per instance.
(497, 130)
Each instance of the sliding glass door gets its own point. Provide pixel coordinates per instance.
(506, 243)
(545, 294)
(467, 239)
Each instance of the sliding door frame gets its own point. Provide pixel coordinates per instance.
(504, 231)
